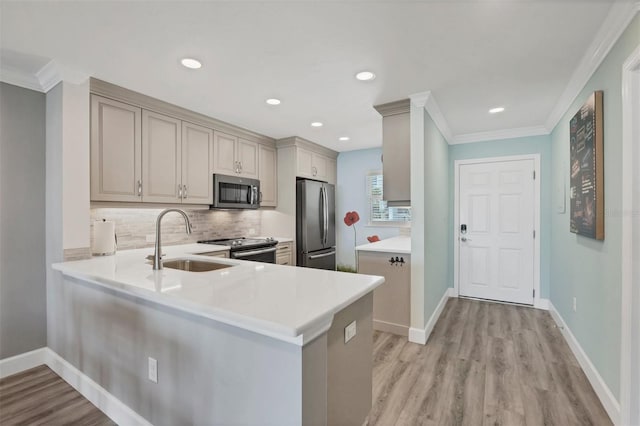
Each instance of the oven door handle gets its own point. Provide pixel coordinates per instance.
(318, 256)
(253, 252)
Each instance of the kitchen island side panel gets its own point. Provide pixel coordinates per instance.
(208, 372)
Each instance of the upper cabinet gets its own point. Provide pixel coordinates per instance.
(268, 168)
(235, 156)
(396, 141)
(161, 158)
(116, 150)
(314, 165)
(197, 161)
(146, 150)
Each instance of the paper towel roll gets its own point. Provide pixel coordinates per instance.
(104, 238)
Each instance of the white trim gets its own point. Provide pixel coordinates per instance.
(115, 409)
(536, 220)
(630, 309)
(605, 395)
(617, 20)
(418, 335)
(21, 362)
(96, 394)
(49, 75)
(500, 134)
(427, 101)
(453, 292)
(540, 303)
(21, 79)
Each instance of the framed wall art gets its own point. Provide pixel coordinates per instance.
(587, 169)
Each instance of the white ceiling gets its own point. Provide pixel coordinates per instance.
(472, 55)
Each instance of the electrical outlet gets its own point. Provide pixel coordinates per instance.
(575, 304)
(153, 370)
(349, 331)
(151, 238)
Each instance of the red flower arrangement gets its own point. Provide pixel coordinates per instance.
(350, 219)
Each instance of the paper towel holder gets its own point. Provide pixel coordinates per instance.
(106, 247)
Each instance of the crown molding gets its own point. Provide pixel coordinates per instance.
(21, 79)
(297, 141)
(493, 135)
(393, 108)
(615, 23)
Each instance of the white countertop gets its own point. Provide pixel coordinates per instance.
(400, 245)
(284, 302)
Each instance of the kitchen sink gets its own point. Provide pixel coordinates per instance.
(191, 265)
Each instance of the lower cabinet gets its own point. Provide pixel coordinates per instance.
(284, 254)
(391, 300)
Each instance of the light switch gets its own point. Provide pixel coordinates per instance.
(153, 370)
(349, 331)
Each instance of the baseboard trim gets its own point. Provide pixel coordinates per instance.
(541, 304)
(99, 396)
(115, 409)
(610, 403)
(19, 363)
(419, 335)
(390, 327)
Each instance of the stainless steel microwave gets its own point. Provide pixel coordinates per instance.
(234, 192)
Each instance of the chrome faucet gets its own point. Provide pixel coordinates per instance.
(157, 255)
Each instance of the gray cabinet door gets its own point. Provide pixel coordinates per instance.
(116, 151)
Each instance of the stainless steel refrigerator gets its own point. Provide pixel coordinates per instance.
(315, 224)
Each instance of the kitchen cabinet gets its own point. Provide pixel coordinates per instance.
(161, 158)
(284, 253)
(396, 141)
(197, 158)
(235, 156)
(176, 160)
(220, 253)
(116, 150)
(313, 165)
(268, 175)
(391, 300)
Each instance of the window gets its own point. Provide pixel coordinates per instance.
(378, 210)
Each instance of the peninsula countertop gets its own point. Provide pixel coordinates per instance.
(401, 245)
(283, 302)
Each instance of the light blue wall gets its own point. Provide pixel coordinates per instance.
(437, 241)
(351, 194)
(581, 267)
(520, 146)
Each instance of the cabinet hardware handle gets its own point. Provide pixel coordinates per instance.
(240, 165)
(139, 188)
(179, 191)
(184, 191)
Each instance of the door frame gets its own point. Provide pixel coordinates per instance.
(538, 302)
(630, 309)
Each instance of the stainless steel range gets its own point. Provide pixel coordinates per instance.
(254, 249)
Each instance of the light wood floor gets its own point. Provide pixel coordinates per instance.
(40, 397)
(485, 364)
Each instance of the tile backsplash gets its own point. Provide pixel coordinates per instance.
(135, 225)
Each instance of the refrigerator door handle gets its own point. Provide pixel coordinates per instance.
(322, 198)
(325, 215)
(318, 256)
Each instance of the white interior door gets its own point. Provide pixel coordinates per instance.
(496, 251)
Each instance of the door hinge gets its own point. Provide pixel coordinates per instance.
(534, 175)
(534, 234)
(534, 293)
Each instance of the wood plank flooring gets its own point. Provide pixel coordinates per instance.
(40, 397)
(485, 364)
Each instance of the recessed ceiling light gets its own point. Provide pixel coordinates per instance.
(343, 138)
(496, 110)
(316, 124)
(191, 63)
(273, 101)
(365, 76)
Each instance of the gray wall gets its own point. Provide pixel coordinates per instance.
(23, 322)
